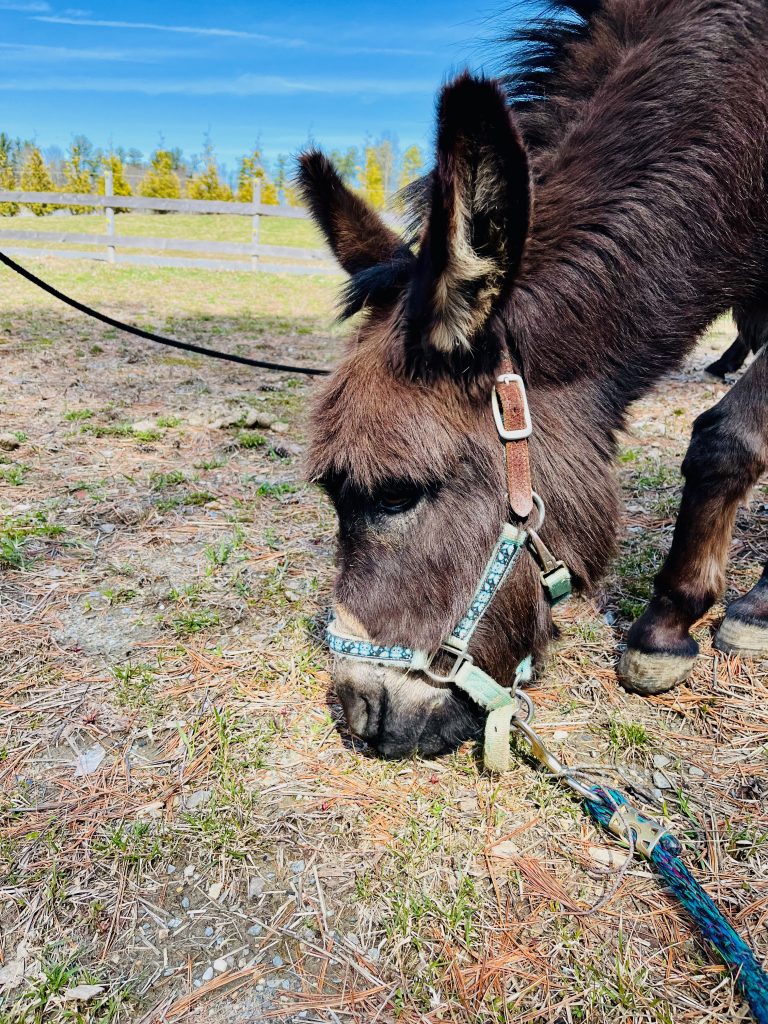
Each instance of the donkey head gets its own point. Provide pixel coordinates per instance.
(403, 438)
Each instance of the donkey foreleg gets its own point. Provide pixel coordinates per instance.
(752, 326)
(727, 455)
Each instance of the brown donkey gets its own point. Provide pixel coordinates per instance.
(590, 221)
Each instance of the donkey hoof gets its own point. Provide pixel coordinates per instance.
(737, 636)
(648, 674)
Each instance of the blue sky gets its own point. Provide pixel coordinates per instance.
(280, 74)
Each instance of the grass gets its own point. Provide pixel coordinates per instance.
(213, 227)
(22, 535)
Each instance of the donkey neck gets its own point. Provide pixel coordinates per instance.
(651, 206)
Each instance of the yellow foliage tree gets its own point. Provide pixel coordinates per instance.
(372, 180)
(161, 181)
(251, 170)
(209, 185)
(411, 167)
(77, 177)
(35, 177)
(7, 183)
(120, 185)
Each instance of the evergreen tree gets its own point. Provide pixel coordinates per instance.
(161, 181)
(35, 177)
(346, 164)
(209, 185)
(7, 175)
(77, 176)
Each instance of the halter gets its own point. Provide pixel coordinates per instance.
(513, 423)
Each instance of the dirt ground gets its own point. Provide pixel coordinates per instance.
(188, 832)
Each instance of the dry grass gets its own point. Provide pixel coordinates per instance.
(184, 821)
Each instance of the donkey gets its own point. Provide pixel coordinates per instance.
(752, 328)
(587, 222)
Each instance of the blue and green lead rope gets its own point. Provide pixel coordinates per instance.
(750, 977)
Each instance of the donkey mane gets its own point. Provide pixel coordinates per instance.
(539, 87)
(544, 98)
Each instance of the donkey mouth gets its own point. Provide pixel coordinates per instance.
(400, 714)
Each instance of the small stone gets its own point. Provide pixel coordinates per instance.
(661, 781)
(208, 974)
(506, 849)
(559, 736)
(171, 869)
(215, 890)
(106, 528)
(696, 772)
(374, 954)
(220, 965)
(189, 870)
(606, 858)
(9, 442)
(297, 866)
(286, 985)
(658, 796)
(255, 929)
(661, 760)
(143, 425)
(175, 922)
(279, 427)
(277, 960)
(255, 887)
(208, 932)
(198, 799)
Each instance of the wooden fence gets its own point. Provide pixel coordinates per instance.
(297, 261)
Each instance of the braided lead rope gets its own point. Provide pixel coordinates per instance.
(750, 977)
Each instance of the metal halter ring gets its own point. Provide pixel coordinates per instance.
(539, 505)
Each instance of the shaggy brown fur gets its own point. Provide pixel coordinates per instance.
(648, 161)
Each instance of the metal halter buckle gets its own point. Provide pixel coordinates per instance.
(511, 435)
(461, 658)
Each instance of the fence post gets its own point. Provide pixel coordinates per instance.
(256, 229)
(110, 214)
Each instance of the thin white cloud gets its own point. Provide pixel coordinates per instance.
(25, 8)
(73, 18)
(243, 85)
(189, 30)
(37, 53)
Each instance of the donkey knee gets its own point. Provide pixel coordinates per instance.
(725, 458)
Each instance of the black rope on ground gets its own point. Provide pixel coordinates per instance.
(159, 339)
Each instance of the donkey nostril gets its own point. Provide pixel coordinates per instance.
(361, 716)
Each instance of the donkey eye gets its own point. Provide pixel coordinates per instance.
(398, 499)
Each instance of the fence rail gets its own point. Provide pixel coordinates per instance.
(313, 261)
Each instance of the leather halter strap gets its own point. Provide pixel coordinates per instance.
(514, 423)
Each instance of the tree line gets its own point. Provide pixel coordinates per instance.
(377, 170)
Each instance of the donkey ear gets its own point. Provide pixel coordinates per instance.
(478, 218)
(357, 235)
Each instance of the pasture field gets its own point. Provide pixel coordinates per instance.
(187, 828)
(198, 227)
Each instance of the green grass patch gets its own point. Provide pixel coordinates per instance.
(19, 535)
(194, 621)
